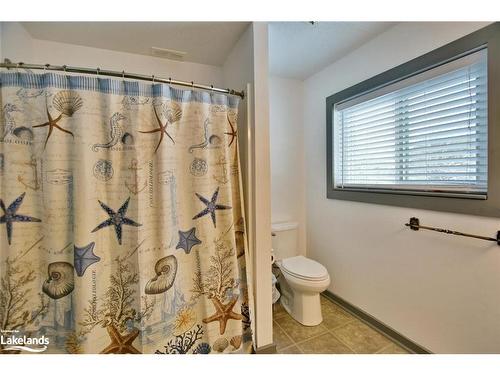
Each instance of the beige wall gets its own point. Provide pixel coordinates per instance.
(262, 185)
(287, 154)
(440, 291)
(18, 45)
(1, 44)
(237, 72)
(247, 64)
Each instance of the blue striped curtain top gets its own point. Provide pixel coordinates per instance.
(113, 86)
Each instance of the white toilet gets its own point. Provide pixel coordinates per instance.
(302, 279)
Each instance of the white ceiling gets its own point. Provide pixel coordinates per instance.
(205, 42)
(296, 49)
(300, 49)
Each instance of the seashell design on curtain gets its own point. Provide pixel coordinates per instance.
(121, 222)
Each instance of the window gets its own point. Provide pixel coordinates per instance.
(425, 134)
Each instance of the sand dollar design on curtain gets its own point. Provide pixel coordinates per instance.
(121, 226)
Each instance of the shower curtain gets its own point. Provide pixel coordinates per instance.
(121, 227)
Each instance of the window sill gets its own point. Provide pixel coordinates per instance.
(417, 193)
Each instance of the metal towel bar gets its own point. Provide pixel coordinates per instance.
(414, 224)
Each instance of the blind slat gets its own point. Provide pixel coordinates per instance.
(390, 161)
(423, 150)
(462, 102)
(423, 101)
(425, 127)
(439, 137)
(449, 79)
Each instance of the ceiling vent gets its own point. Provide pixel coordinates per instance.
(165, 53)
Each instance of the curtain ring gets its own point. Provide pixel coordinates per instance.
(64, 68)
(153, 79)
(97, 71)
(46, 66)
(192, 84)
(123, 74)
(170, 80)
(212, 88)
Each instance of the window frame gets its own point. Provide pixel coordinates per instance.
(487, 37)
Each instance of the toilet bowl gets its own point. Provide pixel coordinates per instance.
(302, 280)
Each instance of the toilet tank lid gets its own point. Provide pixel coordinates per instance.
(279, 227)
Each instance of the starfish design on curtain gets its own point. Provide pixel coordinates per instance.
(212, 206)
(162, 128)
(187, 240)
(223, 313)
(120, 344)
(84, 257)
(117, 219)
(52, 123)
(10, 216)
(233, 133)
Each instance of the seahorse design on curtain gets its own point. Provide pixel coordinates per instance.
(115, 132)
(97, 261)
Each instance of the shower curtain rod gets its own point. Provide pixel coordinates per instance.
(112, 73)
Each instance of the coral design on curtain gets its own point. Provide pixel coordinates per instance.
(121, 226)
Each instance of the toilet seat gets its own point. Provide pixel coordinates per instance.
(304, 268)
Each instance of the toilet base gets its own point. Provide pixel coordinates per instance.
(305, 308)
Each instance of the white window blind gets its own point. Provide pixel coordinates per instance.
(426, 133)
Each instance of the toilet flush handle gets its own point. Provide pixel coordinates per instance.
(273, 234)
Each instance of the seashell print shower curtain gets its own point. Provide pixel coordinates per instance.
(121, 222)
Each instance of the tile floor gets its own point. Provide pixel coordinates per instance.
(339, 333)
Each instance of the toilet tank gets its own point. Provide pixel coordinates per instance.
(285, 239)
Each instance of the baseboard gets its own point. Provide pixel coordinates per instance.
(377, 324)
(266, 349)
